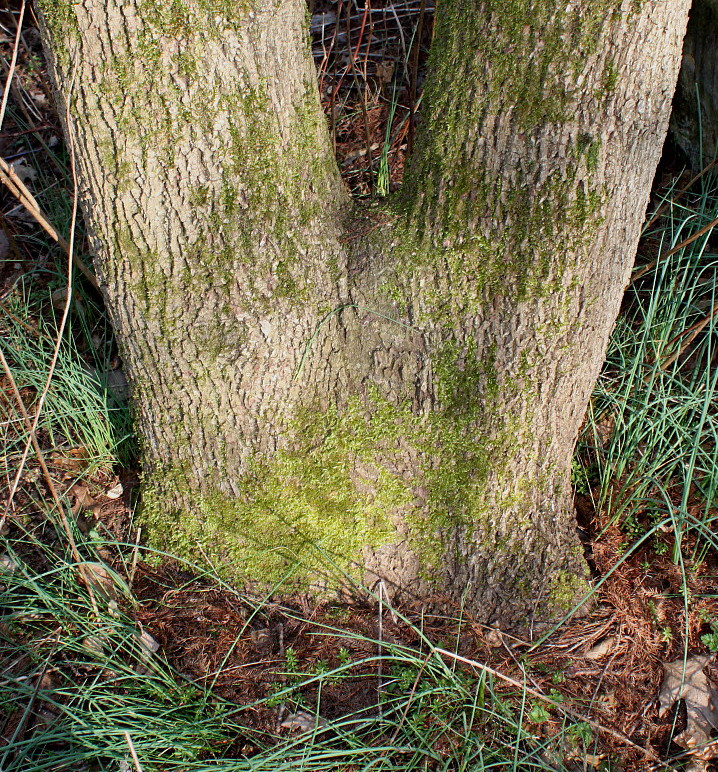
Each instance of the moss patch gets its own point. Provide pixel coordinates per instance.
(558, 37)
(318, 502)
(369, 473)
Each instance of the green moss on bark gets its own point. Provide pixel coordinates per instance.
(367, 474)
(560, 37)
(320, 501)
(60, 20)
(509, 226)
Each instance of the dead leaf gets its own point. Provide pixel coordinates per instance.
(604, 427)
(103, 579)
(593, 760)
(93, 645)
(72, 460)
(302, 722)
(494, 638)
(83, 500)
(268, 640)
(385, 71)
(47, 682)
(148, 643)
(8, 564)
(99, 577)
(686, 680)
(601, 648)
(24, 172)
(115, 492)
(59, 299)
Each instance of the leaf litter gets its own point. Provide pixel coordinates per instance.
(686, 680)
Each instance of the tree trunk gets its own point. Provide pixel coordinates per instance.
(694, 119)
(326, 391)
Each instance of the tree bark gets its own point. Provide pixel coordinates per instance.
(694, 119)
(326, 391)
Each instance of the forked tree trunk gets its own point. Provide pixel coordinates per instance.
(392, 390)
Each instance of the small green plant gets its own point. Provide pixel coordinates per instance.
(403, 678)
(709, 640)
(344, 656)
(660, 547)
(558, 677)
(581, 731)
(291, 662)
(383, 174)
(579, 478)
(538, 713)
(632, 528)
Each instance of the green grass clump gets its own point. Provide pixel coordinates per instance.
(78, 682)
(652, 427)
(80, 410)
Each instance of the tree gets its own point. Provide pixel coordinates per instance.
(694, 118)
(394, 388)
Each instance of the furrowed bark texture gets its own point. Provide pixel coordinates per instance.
(395, 390)
(694, 120)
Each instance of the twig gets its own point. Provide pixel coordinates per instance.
(692, 332)
(33, 437)
(710, 746)
(17, 187)
(662, 208)
(646, 268)
(36, 689)
(15, 184)
(534, 693)
(362, 90)
(133, 752)
(32, 431)
(17, 320)
(13, 62)
(135, 552)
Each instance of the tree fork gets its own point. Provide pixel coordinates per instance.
(427, 437)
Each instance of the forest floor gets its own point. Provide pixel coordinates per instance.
(117, 658)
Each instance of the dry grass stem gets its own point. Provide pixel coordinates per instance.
(562, 708)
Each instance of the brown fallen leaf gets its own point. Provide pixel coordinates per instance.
(71, 460)
(303, 722)
(94, 645)
(148, 644)
(601, 648)
(103, 579)
(83, 499)
(25, 172)
(494, 638)
(115, 492)
(685, 679)
(8, 564)
(604, 427)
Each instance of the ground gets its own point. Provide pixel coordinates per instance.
(415, 688)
